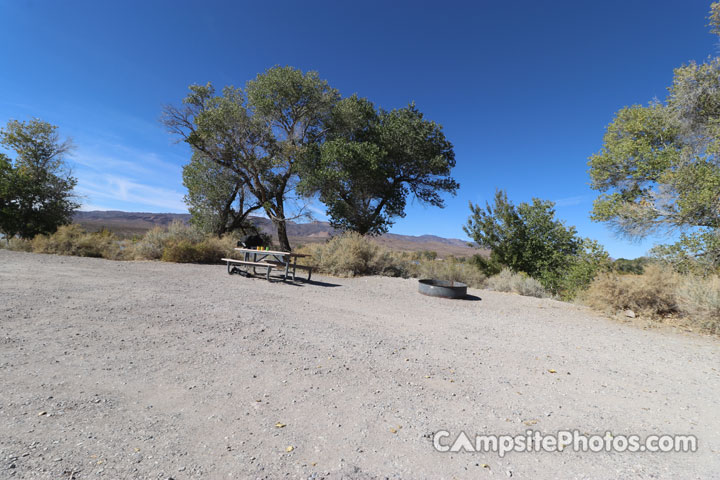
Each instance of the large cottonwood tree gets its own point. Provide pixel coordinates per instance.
(373, 160)
(261, 132)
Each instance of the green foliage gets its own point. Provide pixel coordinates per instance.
(217, 198)
(259, 133)
(589, 261)
(658, 168)
(714, 18)
(635, 266)
(36, 191)
(526, 238)
(373, 160)
(696, 252)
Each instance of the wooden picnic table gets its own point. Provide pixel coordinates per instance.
(253, 258)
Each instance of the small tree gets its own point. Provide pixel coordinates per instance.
(373, 160)
(526, 238)
(36, 189)
(218, 200)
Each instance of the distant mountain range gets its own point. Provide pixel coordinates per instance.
(137, 223)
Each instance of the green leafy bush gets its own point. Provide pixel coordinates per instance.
(625, 266)
(528, 238)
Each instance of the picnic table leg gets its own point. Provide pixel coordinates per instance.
(287, 266)
(294, 267)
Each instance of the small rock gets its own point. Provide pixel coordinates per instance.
(509, 473)
(629, 313)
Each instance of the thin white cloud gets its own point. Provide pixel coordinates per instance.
(320, 212)
(571, 201)
(119, 177)
(129, 193)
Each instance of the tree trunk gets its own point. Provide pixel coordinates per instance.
(281, 223)
(282, 234)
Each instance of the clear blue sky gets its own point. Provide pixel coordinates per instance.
(524, 89)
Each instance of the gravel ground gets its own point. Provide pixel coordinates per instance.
(153, 370)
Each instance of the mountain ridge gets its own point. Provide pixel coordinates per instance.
(137, 223)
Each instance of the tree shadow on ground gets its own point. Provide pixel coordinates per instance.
(303, 283)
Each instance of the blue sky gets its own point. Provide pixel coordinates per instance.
(524, 90)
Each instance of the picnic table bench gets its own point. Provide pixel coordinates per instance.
(267, 259)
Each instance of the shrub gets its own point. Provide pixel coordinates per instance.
(451, 269)
(525, 238)
(184, 251)
(653, 294)
(636, 265)
(351, 254)
(18, 244)
(74, 240)
(152, 245)
(699, 299)
(346, 255)
(521, 283)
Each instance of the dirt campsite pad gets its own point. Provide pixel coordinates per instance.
(155, 370)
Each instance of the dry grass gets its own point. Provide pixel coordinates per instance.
(351, 254)
(450, 269)
(660, 294)
(153, 244)
(209, 250)
(185, 251)
(699, 299)
(520, 283)
(347, 255)
(18, 245)
(178, 243)
(653, 294)
(74, 240)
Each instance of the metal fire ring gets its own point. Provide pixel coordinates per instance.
(442, 288)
